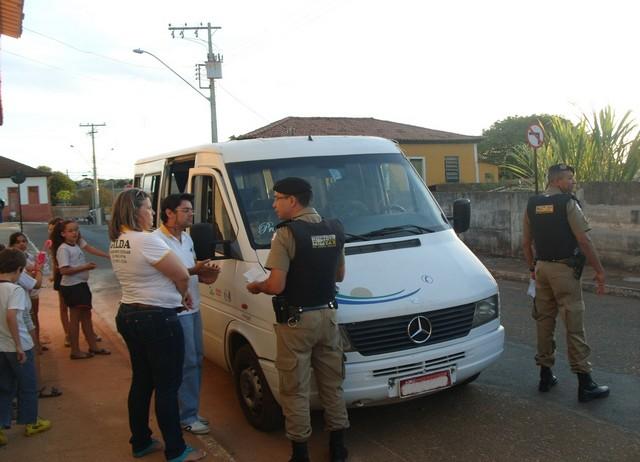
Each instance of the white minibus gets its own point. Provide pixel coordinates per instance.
(418, 312)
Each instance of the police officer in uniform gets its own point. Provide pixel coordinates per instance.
(306, 260)
(555, 227)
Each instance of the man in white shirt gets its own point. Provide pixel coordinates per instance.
(177, 215)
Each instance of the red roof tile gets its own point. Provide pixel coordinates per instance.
(363, 126)
(9, 166)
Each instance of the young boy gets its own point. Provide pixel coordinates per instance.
(17, 366)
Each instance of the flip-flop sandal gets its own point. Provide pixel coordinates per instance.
(81, 356)
(101, 351)
(186, 453)
(53, 393)
(154, 446)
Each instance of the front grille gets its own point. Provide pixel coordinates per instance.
(420, 367)
(390, 334)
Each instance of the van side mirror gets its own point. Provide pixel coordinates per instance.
(461, 215)
(205, 244)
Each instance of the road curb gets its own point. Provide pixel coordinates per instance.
(619, 291)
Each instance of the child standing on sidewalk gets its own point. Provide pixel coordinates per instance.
(19, 241)
(17, 366)
(72, 265)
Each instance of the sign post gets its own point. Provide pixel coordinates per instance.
(18, 178)
(535, 138)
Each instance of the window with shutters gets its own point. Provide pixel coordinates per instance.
(451, 169)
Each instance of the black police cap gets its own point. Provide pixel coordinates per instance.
(292, 185)
(561, 168)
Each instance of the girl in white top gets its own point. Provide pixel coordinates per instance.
(19, 241)
(72, 264)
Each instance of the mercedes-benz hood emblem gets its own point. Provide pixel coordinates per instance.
(419, 329)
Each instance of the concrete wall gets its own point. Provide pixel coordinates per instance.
(613, 211)
(71, 211)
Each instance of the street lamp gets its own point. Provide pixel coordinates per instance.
(211, 99)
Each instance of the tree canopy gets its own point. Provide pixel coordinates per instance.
(502, 138)
(58, 181)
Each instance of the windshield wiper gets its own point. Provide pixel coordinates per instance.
(355, 237)
(412, 229)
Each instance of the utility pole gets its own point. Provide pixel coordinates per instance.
(96, 188)
(213, 66)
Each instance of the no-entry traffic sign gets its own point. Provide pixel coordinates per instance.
(535, 135)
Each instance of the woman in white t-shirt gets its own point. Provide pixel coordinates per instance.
(154, 286)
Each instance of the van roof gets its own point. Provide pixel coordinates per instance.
(287, 147)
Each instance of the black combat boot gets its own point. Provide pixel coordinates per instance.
(547, 379)
(338, 451)
(300, 453)
(588, 389)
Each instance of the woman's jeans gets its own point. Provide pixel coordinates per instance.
(156, 346)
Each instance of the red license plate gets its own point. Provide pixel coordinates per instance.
(425, 383)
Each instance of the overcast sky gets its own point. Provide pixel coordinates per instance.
(456, 66)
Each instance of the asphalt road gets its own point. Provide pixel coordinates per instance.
(499, 417)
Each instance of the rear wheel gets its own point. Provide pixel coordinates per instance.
(256, 400)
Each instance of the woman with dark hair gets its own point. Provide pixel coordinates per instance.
(154, 287)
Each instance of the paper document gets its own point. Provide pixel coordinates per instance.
(256, 275)
(531, 290)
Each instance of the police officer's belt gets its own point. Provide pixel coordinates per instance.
(331, 305)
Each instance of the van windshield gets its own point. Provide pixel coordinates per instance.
(375, 196)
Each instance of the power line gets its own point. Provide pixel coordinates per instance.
(239, 101)
(85, 51)
(34, 60)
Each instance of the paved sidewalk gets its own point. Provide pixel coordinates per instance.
(90, 421)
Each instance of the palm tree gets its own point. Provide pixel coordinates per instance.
(601, 149)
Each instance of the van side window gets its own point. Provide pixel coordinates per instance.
(151, 185)
(179, 176)
(208, 207)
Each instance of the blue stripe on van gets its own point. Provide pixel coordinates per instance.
(346, 300)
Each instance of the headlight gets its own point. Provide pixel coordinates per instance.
(486, 310)
(346, 341)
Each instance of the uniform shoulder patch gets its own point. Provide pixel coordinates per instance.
(543, 209)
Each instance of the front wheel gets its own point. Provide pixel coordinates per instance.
(468, 380)
(256, 400)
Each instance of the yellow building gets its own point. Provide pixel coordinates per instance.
(439, 157)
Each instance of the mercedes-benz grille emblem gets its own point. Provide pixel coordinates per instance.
(419, 329)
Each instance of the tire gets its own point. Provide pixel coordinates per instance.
(468, 380)
(256, 400)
